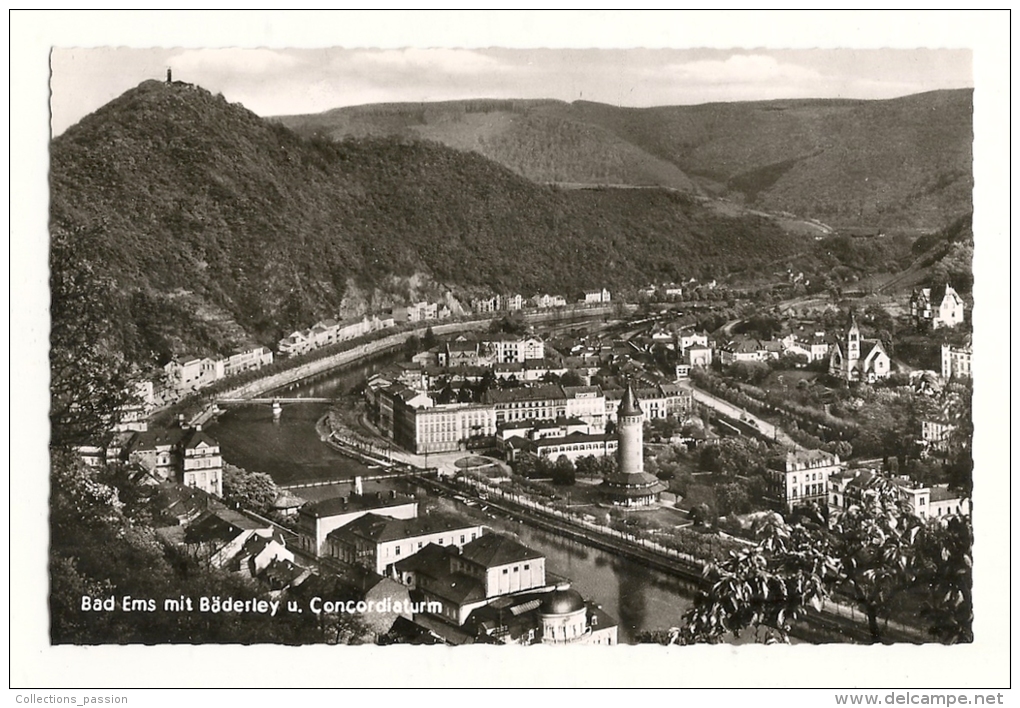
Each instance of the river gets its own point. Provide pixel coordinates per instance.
(641, 599)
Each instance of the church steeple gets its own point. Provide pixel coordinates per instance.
(853, 338)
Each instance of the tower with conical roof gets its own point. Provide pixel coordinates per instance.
(630, 432)
(630, 485)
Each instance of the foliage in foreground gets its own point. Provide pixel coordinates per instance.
(869, 555)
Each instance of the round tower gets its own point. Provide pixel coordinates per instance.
(630, 431)
(630, 485)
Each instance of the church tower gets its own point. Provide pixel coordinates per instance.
(853, 341)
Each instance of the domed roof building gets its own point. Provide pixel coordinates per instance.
(564, 616)
(630, 485)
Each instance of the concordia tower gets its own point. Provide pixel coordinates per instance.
(630, 485)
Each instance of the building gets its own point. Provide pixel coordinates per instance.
(630, 485)
(699, 355)
(815, 348)
(855, 359)
(188, 456)
(219, 536)
(546, 301)
(573, 445)
(416, 312)
(740, 349)
(956, 361)
(597, 296)
(315, 520)
(507, 349)
(935, 434)
(587, 403)
(557, 617)
(853, 486)
(134, 417)
(201, 464)
(491, 566)
(496, 590)
(547, 402)
(690, 338)
(657, 402)
(247, 360)
(937, 307)
(193, 373)
(377, 542)
(802, 478)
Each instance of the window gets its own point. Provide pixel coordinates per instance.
(517, 569)
(462, 538)
(526, 566)
(505, 571)
(419, 545)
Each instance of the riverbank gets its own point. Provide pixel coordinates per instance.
(199, 407)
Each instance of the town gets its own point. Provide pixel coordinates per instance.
(655, 425)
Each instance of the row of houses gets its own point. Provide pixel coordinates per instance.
(815, 477)
(331, 331)
(254, 548)
(193, 373)
(471, 585)
(514, 302)
(415, 421)
(483, 350)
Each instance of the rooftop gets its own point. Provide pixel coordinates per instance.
(337, 506)
(493, 549)
(380, 529)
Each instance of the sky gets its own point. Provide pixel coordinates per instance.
(281, 81)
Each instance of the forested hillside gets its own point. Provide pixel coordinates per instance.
(218, 227)
(899, 162)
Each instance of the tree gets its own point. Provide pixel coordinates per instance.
(871, 553)
(89, 381)
(563, 472)
(872, 543)
(763, 588)
(429, 340)
(702, 514)
(732, 499)
(412, 345)
(254, 491)
(571, 378)
(944, 567)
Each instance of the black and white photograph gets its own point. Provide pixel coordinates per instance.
(451, 350)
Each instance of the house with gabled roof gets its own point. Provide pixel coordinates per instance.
(316, 519)
(378, 542)
(940, 306)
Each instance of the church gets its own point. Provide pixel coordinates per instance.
(854, 359)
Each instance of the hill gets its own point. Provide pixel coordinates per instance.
(218, 228)
(898, 162)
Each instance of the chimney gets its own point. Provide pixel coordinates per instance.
(169, 75)
(180, 419)
(358, 488)
(198, 427)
